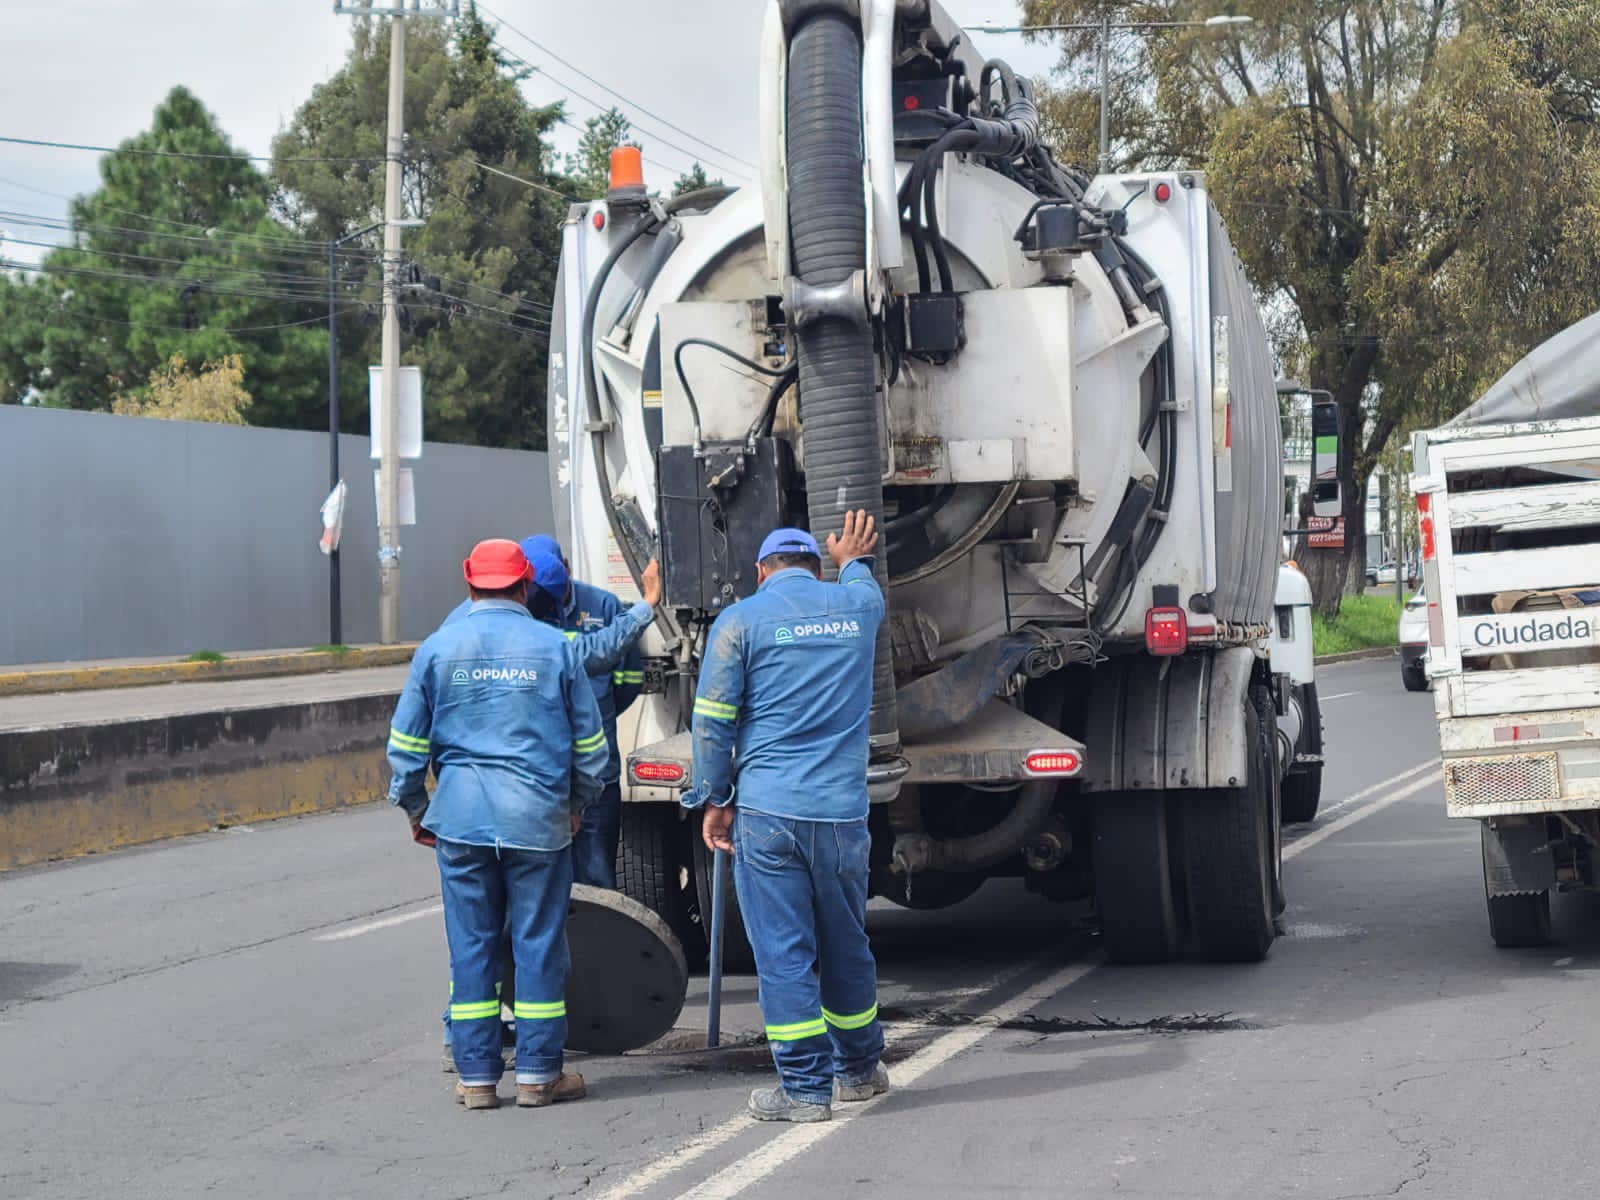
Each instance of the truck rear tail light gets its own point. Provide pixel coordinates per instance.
(1425, 525)
(1053, 762)
(1166, 631)
(658, 772)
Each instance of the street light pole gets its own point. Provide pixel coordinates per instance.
(335, 599)
(1105, 89)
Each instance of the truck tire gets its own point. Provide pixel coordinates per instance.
(1139, 918)
(1229, 858)
(1414, 676)
(654, 868)
(1518, 920)
(1302, 786)
(737, 957)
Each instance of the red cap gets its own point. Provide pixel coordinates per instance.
(496, 563)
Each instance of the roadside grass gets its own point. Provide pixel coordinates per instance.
(207, 656)
(1363, 622)
(336, 651)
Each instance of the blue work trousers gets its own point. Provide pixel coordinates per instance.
(485, 889)
(594, 849)
(803, 892)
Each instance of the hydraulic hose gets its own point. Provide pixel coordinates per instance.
(828, 236)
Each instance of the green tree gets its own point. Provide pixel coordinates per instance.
(1402, 177)
(171, 256)
(590, 167)
(478, 174)
(693, 180)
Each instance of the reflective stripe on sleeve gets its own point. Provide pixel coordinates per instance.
(481, 1011)
(796, 1032)
(588, 744)
(627, 677)
(715, 709)
(540, 1012)
(404, 741)
(858, 1020)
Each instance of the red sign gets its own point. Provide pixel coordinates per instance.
(1327, 533)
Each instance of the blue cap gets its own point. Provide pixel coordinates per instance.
(549, 576)
(789, 541)
(542, 543)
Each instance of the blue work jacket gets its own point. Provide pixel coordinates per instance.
(616, 671)
(498, 703)
(780, 712)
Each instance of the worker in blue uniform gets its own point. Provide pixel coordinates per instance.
(780, 766)
(498, 701)
(587, 610)
(599, 649)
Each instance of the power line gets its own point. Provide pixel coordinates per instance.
(214, 238)
(598, 107)
(316, 283)
(542, 48)
(210, 287)
(483, 166)
(199, 155)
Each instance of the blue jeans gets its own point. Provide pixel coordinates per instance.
(594, 848)
(803, 892)
(484, 890)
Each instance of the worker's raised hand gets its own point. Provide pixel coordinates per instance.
(650, 584)
(718, 828)
(858, 538)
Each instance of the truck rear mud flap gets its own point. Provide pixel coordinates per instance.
(995, 746)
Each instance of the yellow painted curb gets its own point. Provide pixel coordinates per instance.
(255, 666)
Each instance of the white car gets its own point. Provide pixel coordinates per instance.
(1413, 640)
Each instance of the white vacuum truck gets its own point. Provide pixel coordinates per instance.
(1056, 396)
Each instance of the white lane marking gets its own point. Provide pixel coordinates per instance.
(702, 1144)
(1350, 818)
(760, 1164)
(1382, 785)
(382, 923)
(1339, 696)
(699, 1146)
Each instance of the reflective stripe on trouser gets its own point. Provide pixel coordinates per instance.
(803, 892)
(488, 894)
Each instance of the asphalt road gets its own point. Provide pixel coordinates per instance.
(252, 1013)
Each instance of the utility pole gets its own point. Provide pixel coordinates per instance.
(388, 458)
(1105, 88)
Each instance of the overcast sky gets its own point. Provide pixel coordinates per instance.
(91, 71)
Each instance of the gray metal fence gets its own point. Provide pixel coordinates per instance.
(126, 536)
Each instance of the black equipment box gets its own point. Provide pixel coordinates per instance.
(715, 509)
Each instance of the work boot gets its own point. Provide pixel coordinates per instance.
(848, 1091)
(775, 1104)
(484, 1096)
(541, 1095)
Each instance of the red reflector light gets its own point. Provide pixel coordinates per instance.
(599, 219)
(1425, 526)
(1166, 631)
(1163, 192)
(658, 772)
(1053, 762)
(912, 104)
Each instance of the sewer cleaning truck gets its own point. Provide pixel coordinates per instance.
(1055, 395)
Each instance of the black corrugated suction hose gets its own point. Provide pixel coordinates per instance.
(828, 240)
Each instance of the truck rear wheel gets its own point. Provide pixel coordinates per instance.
(1139, 920)
(654, 868)
(1517, 920)
(1229, 857)
(1302, 786)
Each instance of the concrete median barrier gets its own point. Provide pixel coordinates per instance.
(70, 790)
